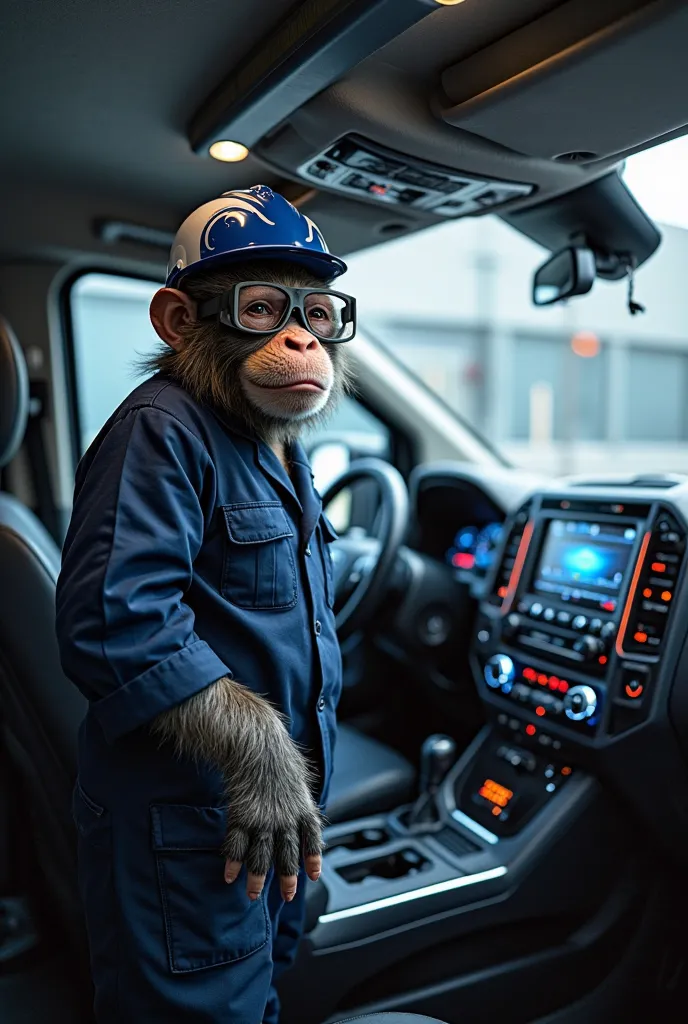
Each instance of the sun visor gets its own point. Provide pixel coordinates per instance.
(584, 82)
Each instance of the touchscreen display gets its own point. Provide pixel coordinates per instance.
(584, 561)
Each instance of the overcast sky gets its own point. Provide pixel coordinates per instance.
(658, 178)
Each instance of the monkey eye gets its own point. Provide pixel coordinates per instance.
(318, 313)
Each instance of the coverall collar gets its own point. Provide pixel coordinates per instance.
(298, 487)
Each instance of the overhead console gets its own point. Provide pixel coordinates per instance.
(362, 168)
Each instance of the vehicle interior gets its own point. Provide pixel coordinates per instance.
(509, 811)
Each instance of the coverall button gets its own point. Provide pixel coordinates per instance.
(321, 704)
(317, 627)
(308, 552)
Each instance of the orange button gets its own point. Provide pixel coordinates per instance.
(640, 638)
(633, 693)
(658, 567)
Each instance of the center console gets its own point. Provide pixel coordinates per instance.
(573, 629)
(548, 821)
(577, 645)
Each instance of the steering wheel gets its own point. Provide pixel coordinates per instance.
(362, 563)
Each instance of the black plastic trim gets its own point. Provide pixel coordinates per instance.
(315, 46)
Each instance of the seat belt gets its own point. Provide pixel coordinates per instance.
(34, 441)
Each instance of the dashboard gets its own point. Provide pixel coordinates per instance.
(578, 631)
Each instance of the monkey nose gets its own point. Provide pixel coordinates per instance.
(297, 339)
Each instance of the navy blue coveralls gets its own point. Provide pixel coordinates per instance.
(191, 555)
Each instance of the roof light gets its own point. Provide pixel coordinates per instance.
(448, 3)
(227, 151)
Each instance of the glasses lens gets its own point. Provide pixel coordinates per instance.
(329, 316)
(261, 307)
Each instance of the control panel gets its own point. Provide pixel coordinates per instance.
(571, 634)
(362, 168)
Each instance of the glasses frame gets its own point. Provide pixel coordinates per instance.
(226, 307)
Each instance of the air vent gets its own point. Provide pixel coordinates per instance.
(500, 586)
(639, 510)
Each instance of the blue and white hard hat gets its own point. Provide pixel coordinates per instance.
(252, 223)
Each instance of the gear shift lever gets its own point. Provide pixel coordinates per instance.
(437, 756)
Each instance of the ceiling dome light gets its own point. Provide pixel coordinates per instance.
(448, 3)
(229, 152)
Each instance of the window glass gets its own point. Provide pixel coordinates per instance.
(657, 395)
(110, 330)
(557, 395)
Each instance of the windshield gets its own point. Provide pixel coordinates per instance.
(581, 387)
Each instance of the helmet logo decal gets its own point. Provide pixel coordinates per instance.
(313, 227)
(238, 211)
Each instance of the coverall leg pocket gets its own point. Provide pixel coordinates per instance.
(207, 922)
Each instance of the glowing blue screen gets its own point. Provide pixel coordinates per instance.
(582, 554)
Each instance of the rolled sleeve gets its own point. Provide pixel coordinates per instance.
(126, 633)
(165, 685)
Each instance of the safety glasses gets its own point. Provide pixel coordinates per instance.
(260, 308)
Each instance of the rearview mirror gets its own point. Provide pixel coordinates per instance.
(569, 272)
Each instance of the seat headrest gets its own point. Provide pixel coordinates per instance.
(14, 394)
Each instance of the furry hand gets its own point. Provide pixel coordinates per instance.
(272, 816)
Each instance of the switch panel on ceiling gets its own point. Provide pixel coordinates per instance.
(360, 167)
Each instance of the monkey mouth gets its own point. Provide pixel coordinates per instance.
(306, 384)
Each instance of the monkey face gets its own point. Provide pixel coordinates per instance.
(276, 384)
(290, 377)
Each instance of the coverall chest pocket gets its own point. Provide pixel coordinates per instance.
(259, 568)
(207, 922)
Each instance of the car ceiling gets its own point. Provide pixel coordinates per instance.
(97, 99)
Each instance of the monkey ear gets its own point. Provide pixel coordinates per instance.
(171, 310)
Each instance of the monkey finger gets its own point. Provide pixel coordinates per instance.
(314, 866)
(288, 884)
(235, 846)
(287, 853)
(311, 833)
(254, 885)
(260, 853)
(232, 869)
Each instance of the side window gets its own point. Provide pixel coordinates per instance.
(110, 331)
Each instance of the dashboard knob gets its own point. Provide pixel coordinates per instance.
(589, 646)
(499, 671)
(580, 703)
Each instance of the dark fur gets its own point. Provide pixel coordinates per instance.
(272, 814)
(207, 366)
